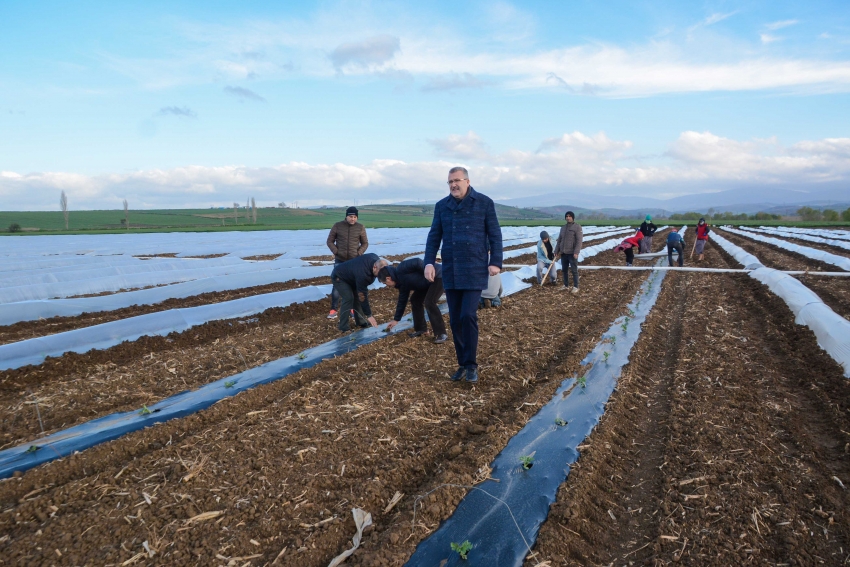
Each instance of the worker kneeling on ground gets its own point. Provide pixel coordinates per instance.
(677, 243)
(409, 277)
(351, 281)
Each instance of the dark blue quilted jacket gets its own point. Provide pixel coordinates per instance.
(467, 230)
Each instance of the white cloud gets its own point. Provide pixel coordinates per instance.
(773, 26)
(356, 42)
(596, 163)
(369, 52)
(717, 17)
(466, 146)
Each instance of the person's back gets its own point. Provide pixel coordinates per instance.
(410, 274)
(674, 238)
(357, 272)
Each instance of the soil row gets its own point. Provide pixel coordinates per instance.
(279, 468)
(721, 445)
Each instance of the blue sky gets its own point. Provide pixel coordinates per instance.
(207, 103)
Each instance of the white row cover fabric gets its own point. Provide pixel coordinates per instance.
(11, 313)
(24, 253)
(120, 266)
(813, 253)
(831, 330)
(133, 281)
(801, 236)
(824, 232)
(34, 351)
(533, 248)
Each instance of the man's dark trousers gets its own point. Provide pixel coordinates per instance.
(348, 301)
(568, 262)
(680, 249)
(429, 298)
(335, 293)
(463, 318)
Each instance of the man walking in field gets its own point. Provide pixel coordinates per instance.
(347, 240)
(465, 223)
(568, 248)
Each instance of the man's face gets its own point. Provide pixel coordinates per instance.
(389, 282)
(458, 185)
(570, 219)
(350, 219)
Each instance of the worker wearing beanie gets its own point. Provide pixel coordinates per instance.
(347, 240)
(648, 229)
(545, 257)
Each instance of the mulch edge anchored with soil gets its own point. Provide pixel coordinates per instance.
(424, 453)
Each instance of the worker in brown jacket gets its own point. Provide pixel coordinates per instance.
(347, 240)
(568, 248)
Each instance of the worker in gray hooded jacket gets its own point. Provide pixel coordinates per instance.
(545, 259)
(568, 248)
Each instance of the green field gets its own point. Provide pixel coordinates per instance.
(373, 216)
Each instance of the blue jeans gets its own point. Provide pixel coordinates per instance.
(571, 264)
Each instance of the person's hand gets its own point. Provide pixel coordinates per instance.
(372, 321)
(390, 325)
(430, 272)
(575, 256)
(494, 270)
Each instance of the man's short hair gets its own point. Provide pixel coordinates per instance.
(459, 168)
(383, 274)
(570, 214)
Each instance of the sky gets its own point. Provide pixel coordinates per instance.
(199, 104)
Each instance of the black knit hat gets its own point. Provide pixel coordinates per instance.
(351, 211)
(569, 214)
(544, 235)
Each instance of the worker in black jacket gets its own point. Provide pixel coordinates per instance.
(409, 277)
(648, 229)
(351, 280)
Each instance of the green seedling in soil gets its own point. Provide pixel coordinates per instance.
(605, 355)
(144, 410)
(613, 340)
(527, 461)
(302, 356)
(33, 449)
(462, 548)
(560, 422)
(631, 313)
(582, 381)
(230, 383)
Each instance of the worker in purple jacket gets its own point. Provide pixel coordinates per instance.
(465, 223)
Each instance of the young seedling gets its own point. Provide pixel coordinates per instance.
(582, 381)
(605, 355)
(631, 313)
(144, 410)
(33, 449)
(527, 461)
(462, 548)
(230, 383)
(301, 356)
(560, 422)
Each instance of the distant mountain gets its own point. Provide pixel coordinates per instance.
(743, 200)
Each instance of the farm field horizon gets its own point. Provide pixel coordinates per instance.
(721, 441)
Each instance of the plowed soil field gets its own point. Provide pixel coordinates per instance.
(721, 445)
